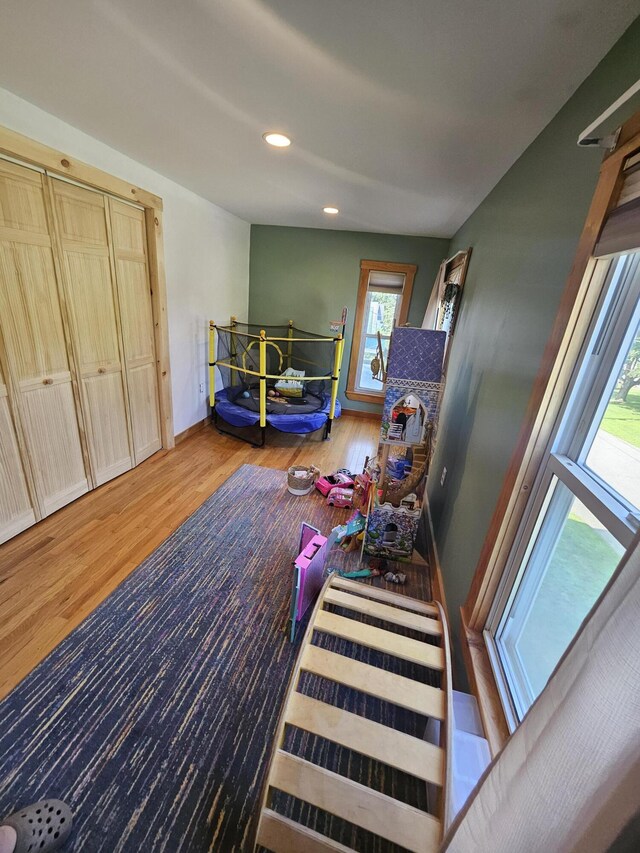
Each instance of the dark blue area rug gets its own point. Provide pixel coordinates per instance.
(154, 718)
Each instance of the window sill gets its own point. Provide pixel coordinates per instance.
(361, 397)
(483, 686)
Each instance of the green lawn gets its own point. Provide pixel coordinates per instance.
(623, 419)
(582, 563)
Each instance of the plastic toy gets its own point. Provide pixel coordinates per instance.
(308, 574)
(332, 481)
(340, 497)
(395, 577)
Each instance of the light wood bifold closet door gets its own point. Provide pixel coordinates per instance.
(83, 229)
(37, 372)
(132, 276)
(16, 512)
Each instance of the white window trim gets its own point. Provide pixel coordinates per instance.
(364, 335)
(571, 435)
(353, 392)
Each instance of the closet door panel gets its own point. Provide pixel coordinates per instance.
(32, 323)
(91, 298)
(34, 341)
(135, 306)
(136, 313)
(81, 217)
(109, 429)
(93, 311)
(49, 413)
(16, 512)
(145, 422)
(21, 205)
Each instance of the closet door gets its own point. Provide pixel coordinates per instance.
(134, 294)
(16, 512)
(83, 232)
(33, 334)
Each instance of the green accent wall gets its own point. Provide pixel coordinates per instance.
(309, 274)
(524, 237)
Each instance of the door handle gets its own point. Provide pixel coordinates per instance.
(47, 381)
(102, 370)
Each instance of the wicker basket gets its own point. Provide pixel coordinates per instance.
(302, 478)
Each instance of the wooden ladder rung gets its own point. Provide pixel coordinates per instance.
(391, 819)
(282, 835)
(385, 612)
(375, 740)
(405, 692)
(384, 595)
(380, 640)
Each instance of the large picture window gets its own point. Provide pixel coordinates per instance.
(384, 295)
(585, 504)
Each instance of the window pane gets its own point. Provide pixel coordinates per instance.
(571, 562)
(381, 312)
(365, 381)
(615, 452)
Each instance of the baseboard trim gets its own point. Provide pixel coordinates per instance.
(192, 430)
(357, 413)
(435, 570)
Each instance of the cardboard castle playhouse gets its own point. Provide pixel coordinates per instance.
(411, 407)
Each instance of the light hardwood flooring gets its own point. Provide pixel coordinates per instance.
(54, 574)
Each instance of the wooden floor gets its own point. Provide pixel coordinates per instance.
(56, 573)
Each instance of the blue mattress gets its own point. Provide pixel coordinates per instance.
(239, 416)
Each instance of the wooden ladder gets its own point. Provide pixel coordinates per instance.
(383, 815)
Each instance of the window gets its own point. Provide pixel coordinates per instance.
(384, 295)
(585, 503)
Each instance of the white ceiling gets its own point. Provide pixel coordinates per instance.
(403, 113)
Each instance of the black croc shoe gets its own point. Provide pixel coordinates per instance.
(42, 827)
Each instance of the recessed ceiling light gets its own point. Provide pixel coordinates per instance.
(331, 210)
(278, 140)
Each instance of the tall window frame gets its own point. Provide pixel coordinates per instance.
(566, 481)
(578, 306)
(362, 329)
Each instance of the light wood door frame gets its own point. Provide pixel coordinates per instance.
(58, 164)
(366, 268)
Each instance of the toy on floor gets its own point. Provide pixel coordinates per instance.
(333, 481)
(360, 573)
(340, 497)
(395, 577)
(308, 574)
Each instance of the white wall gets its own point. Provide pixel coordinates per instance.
(206, 250)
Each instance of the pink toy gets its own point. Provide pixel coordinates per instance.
(333, 481)
(340, 497)
(308, 568)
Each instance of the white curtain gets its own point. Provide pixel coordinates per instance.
(569, 777)
(431, 313)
